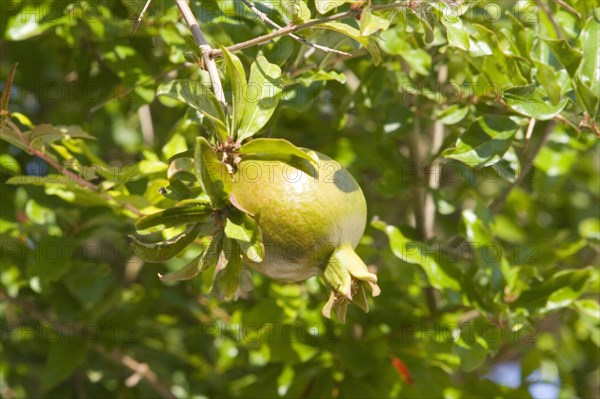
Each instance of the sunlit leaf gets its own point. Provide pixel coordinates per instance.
(261, 97)
(211, 173)
(484, 142)
(163, 250)
(198, 96)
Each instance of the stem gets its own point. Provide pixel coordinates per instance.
(265, 19)
(205, 49)
(64, 171)
(294, 28)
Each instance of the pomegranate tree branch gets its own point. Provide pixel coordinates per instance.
(205, 49)
(265, 19)
(294, 28)
(64, 171)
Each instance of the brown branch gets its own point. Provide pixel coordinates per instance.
(265, 19)
(568, 8)
(139, 20)
(141, 371)
(64, 171)
(205, 49)
(294, 28)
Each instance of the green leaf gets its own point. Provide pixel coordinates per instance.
(484, 142)
(590, 64)
(557, 291)
(586, 96)
(9, 135)
(527, 100)
(237, 78)
(163, 250)
(197, 96)
(324, 6)
(455, 31)
(416, 253)
(28, 23)
(211, 173)
(207, 259)
(242, 228)
(45, 133)
(488, 253)
(262, 96)
(174, 217)
(371, 23)
(589, 229)
(453, 114)
(589, 307)
(417, 58)
(187, 272)
(182, 169)
(228, 271)
(175, 146)
(64, 357)
(546, 76)
(354, 33)
(321, 76)
(295, 11)
(569, 57)
(278, 150)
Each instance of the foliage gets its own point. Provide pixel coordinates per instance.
(472, 128)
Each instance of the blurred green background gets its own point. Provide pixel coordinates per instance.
(475, 141)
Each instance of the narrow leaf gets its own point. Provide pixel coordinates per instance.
(590, 64)
(187, 272)
(161, 251)
(569, 57)
(278, 150)
(242, 228)
(174, 217)
(210, 257)
(228, 271)
(237, 78)
(211, 173)
(262, 96)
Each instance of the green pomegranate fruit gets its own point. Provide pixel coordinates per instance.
(310, 222)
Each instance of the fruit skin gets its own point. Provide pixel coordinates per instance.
(304, 217)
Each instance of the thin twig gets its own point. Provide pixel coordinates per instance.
(294, 28)
(550, 15)
(568, 8)
(529, 133)
(66, 172)
(140, 370)
(205, 49)
(139, 20)
(265, 19)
